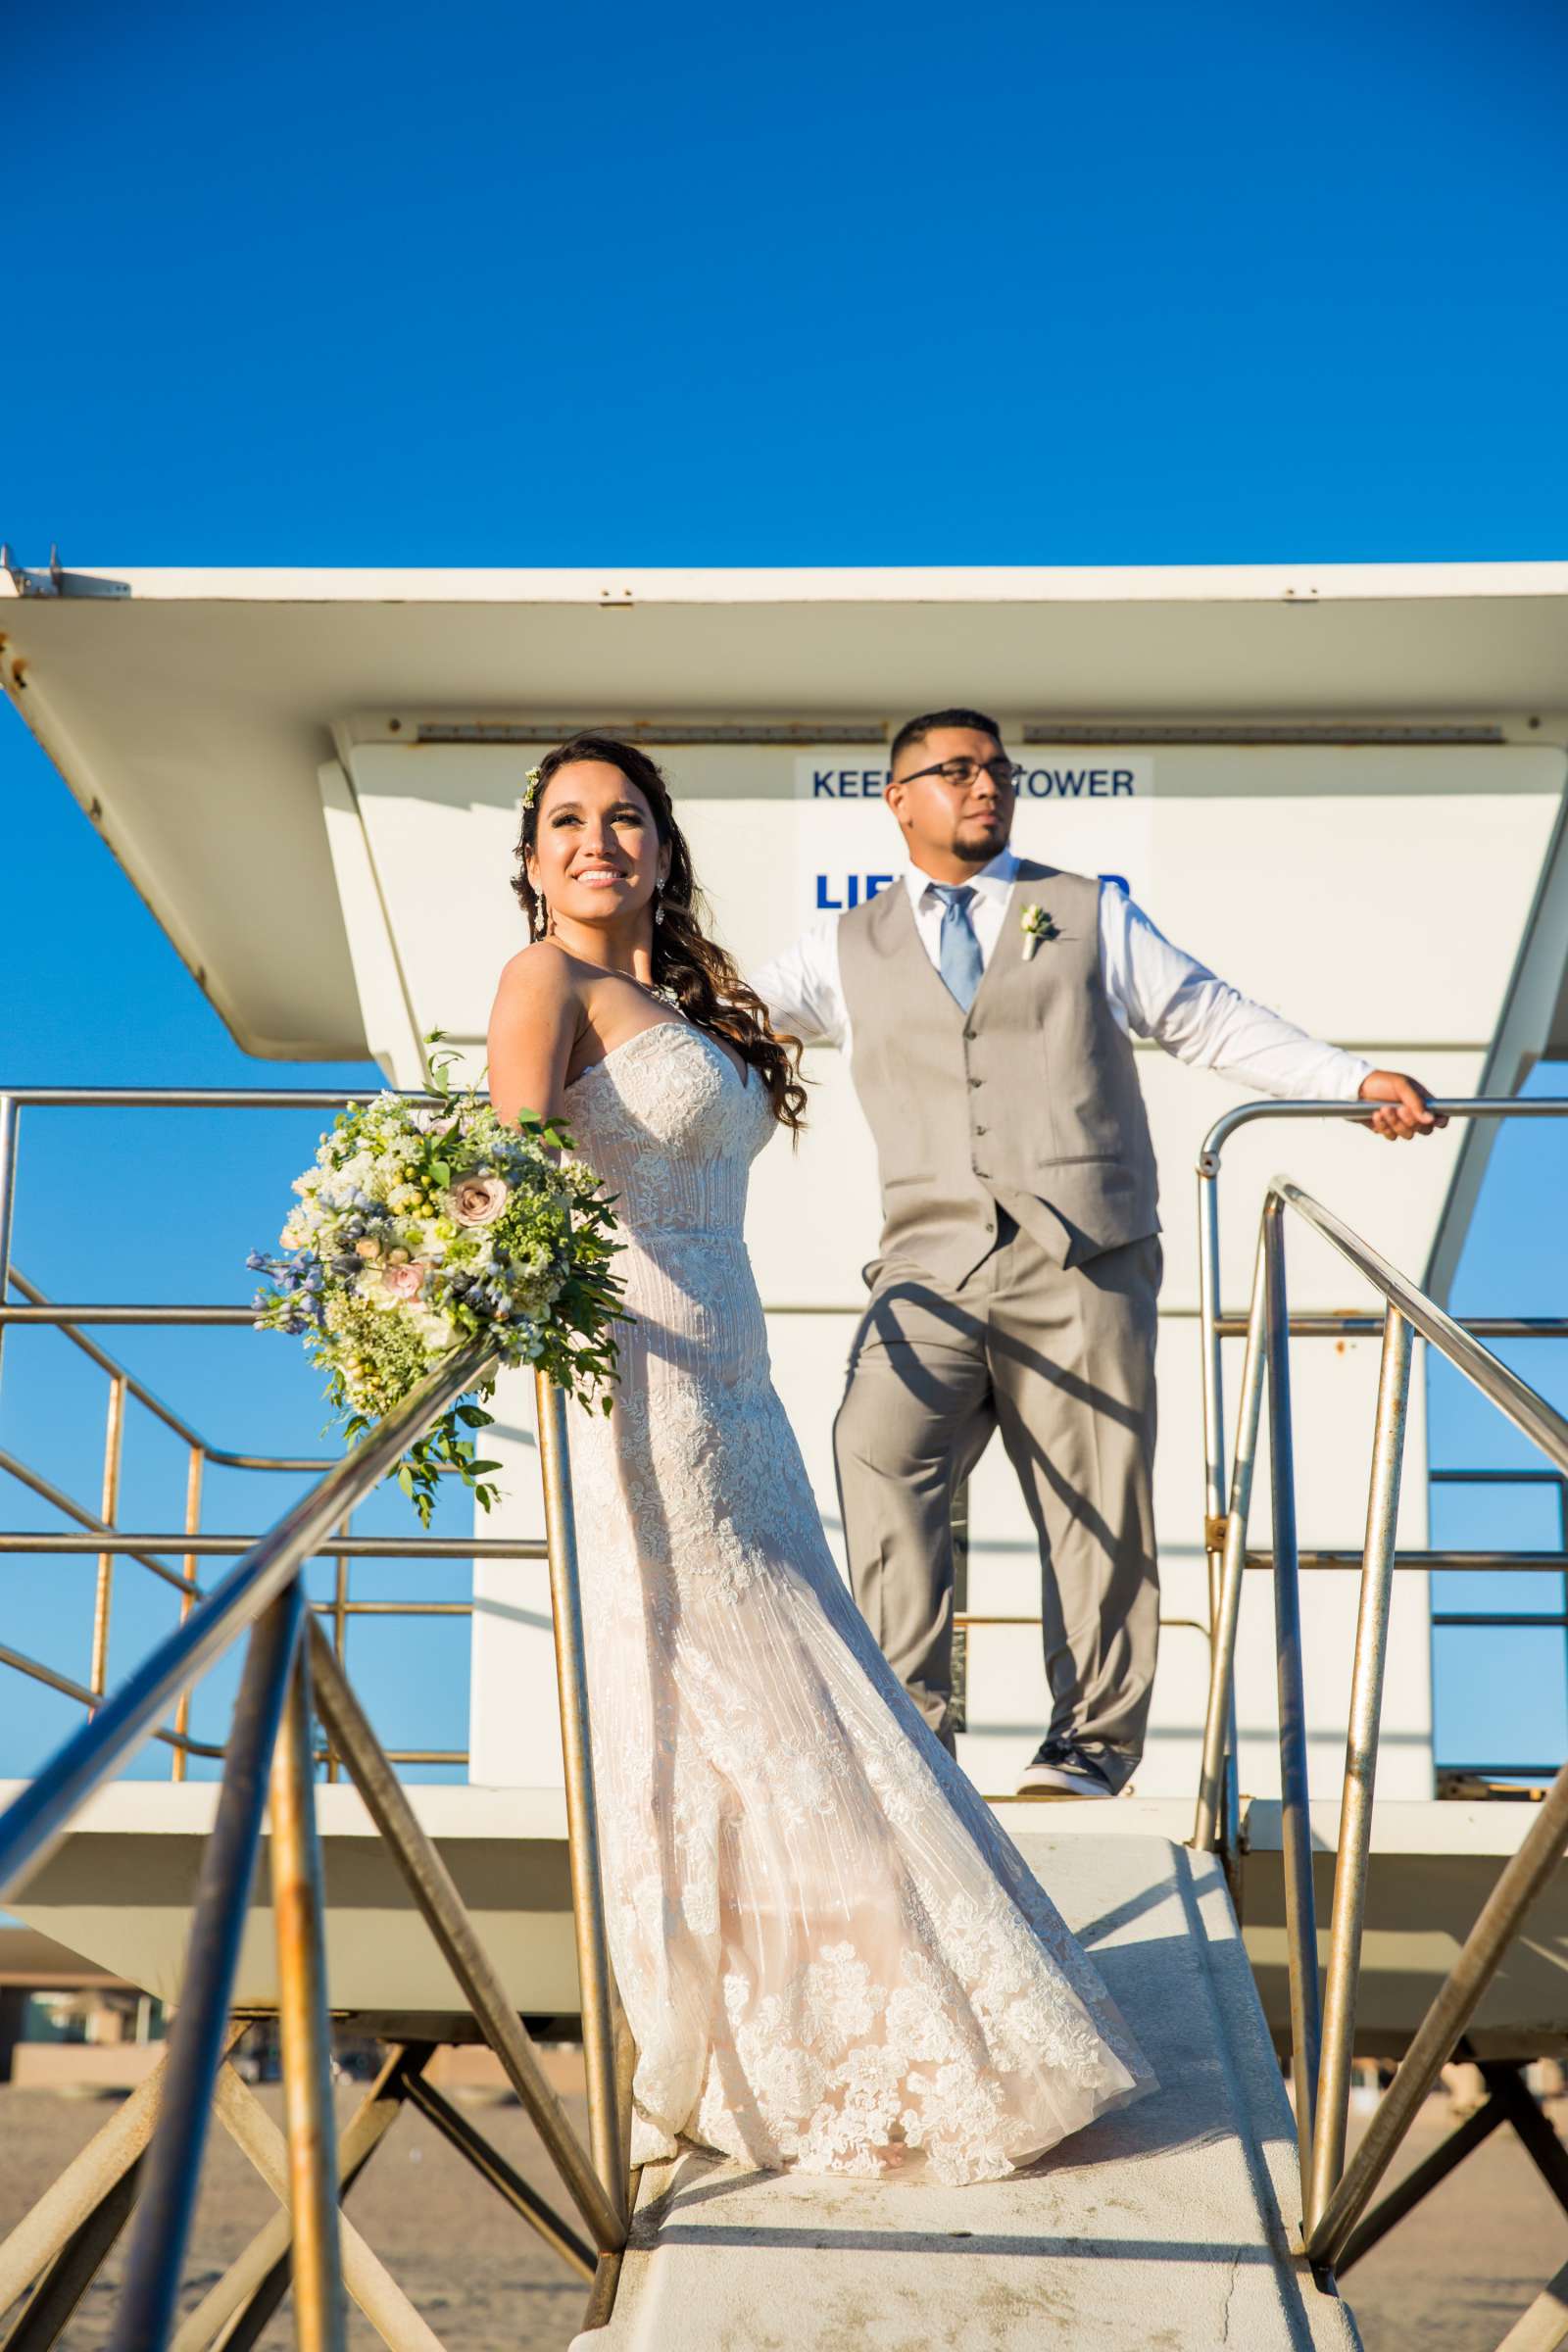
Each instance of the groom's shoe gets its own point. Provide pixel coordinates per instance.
(1058, 1773)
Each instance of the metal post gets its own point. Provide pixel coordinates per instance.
(430, 1884)
(1209, 1296)
(1218, 1732)
(304, 2023)
(114, 1437)
(1300, 1911)
(1361, 1766)
(582, 1814)
(1226, 1832)
(340, 1632)
(10, 1138)
(1562, 1545)
(151, 2290)
(1502, 1915)
(194, 1468)
(626, 2090)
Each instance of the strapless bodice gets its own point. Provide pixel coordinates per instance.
(672, 1129)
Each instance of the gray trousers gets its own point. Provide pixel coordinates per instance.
(1061, 1360)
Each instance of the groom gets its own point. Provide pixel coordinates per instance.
(986, 1004)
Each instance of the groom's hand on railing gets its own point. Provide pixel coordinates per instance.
(1404, 1104)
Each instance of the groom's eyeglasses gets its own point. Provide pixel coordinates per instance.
(1004, 774)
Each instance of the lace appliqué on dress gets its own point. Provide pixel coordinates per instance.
(829, 1954)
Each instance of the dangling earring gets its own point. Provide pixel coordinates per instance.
(546, 919)
(658, 911)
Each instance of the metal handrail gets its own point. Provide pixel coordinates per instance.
(263, 1594)
(1322, 2036)
(109, 1543)
(38, 1310)
(1217, 1326)
(40, 1815)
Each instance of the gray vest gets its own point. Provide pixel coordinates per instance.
(1030, 1100)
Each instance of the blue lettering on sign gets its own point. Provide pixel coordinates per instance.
(847, 783)
(1073, 783)
(856, 887)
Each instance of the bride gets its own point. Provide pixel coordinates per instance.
(829, 1954)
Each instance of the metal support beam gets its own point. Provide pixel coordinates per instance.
(430, 1884)
(1544, 2328)
(490, 2164)
(232, 2315)
(75, 2268)
(366, 2277)
(68, 2202)
(1541, 2145)
(1503, 1912)
(1428, 2174)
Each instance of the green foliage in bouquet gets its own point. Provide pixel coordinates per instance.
(419, 1227)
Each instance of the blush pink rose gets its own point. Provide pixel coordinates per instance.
(477, 1199)
(405, 1282)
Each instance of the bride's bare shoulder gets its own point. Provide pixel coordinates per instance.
(537, 977)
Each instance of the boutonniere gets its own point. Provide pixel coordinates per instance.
(1036, 925)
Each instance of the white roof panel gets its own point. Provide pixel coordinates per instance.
(190, 710)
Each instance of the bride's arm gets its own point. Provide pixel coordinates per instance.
(533, 1027)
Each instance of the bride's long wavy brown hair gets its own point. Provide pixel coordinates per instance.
(700, 978)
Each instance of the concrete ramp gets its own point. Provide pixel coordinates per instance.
(1165, 2226)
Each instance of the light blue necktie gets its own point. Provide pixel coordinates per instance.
(959, 957)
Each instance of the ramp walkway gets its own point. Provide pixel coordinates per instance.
(1168, 2225)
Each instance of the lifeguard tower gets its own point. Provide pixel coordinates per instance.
(1297, 772)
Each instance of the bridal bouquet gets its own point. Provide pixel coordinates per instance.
(418, 1228)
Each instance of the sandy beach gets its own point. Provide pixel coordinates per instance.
(1451, 2278)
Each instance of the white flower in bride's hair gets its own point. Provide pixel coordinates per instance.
(1036, 925)
(530, 787)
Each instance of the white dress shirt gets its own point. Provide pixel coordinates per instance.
(1156, 991)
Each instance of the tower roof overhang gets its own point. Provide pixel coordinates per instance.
(189, 711)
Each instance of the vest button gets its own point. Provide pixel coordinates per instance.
(977, 1082)
(979, 1130)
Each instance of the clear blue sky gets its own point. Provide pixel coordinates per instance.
(878, 286)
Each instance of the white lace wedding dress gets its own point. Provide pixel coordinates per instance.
(829, 1954)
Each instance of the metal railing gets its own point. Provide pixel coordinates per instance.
(100, 1536)
(292, 1674)
(289, 1671)
(36, 1311)
(1217, 1325)
(1323, 2021)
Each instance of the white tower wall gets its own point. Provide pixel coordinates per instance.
(1376, 894)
